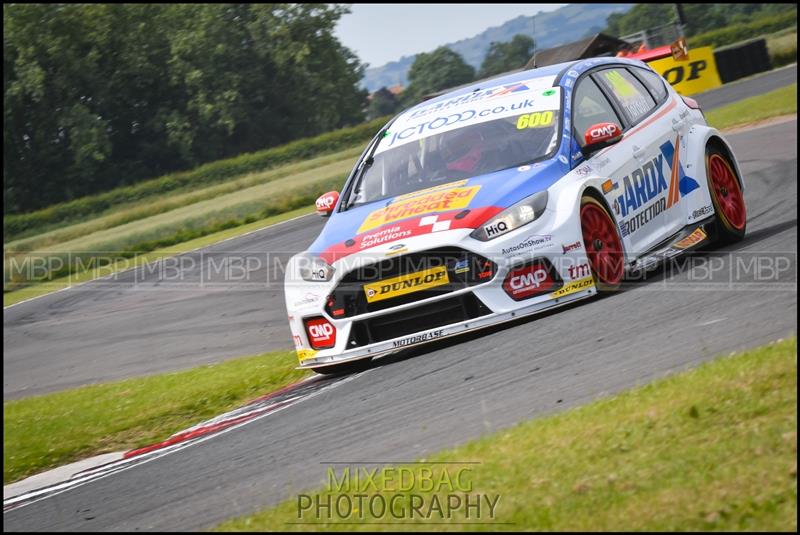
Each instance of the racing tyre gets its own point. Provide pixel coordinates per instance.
(726, 194)
(603, 244)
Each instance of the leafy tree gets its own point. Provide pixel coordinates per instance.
(639, 17)
(102, 95)
(383, 102)
(503, 57)
(699, 17)
(434, 71)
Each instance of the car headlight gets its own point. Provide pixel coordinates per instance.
(522, 213)
(314, 269)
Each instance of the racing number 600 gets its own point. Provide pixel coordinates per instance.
(535, 120)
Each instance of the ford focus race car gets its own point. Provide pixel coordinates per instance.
(507, 198)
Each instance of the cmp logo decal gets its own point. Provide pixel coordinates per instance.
(648, 183)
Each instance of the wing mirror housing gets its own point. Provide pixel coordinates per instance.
(326, 203)
(599, 136)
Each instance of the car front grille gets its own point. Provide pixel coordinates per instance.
(464, 269)
(456, 309)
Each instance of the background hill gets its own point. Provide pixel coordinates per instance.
(558, 27)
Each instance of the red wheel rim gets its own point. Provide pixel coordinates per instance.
(603, 246)
(727, 191)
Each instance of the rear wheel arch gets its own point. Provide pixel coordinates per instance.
(718, 143)
(724, 184)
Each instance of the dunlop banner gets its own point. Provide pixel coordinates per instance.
(696, 74)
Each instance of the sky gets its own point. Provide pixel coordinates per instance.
(380, 33)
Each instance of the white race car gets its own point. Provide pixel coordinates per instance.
(507, 198)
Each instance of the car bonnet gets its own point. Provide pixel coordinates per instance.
(455, 205)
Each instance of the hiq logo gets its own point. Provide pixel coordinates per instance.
(496, 229)
(648, 182)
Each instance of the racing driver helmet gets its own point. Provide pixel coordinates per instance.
(462, 150)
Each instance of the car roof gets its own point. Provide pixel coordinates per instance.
(542, 72)
(519, 76)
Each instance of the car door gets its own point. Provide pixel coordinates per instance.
(591, 106)
(648, 195)
(678, 114)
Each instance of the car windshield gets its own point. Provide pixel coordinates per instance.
(472, 135)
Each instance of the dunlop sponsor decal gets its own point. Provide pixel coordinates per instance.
(406, 284)
(427, 203)
(574, 286)
(305, 354)
(692, 239)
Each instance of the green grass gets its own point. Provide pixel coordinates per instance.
(234, 204)
(147, 192)
(738, 32)
(42, 288)
(714, 448)
(205, 217)
(782, 47)
(781, 101)
(139, 210)
(51, 430)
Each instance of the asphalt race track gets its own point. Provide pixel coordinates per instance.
(405, 408)
(409, 406)
(748, 87)
(155, 320)
(150, 321)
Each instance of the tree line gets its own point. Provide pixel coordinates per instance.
(699, 18)
(444, 69)
(98, 96)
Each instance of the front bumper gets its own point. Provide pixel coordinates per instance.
(485, 304)
(318, 359)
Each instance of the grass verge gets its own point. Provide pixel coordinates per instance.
(152, 191)
(142, 209)
(782, 47)
(43, 288)
(781, 101)
(176, 226)
(714, 448)
(54, 429)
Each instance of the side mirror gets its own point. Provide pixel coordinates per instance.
(326, 203)
(599, 136)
